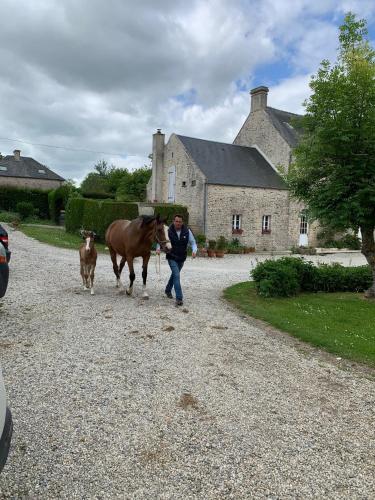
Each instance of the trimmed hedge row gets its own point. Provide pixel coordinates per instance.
(290, 275)
(96, 215)
(10, 196)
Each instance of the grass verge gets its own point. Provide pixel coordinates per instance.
(341, 323)
(57, 237)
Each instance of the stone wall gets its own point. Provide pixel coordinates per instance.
(189, 183)
(252, 203)
(25, 182)
(258, 130)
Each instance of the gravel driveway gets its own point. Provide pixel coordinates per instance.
(115, 397)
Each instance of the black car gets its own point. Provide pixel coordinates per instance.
(5, 241)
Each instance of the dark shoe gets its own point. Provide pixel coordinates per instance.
(169, 295)
(179, 302)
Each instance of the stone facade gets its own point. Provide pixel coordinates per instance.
(25, 182)
(259, 131)
(188, 181)
(176, 178)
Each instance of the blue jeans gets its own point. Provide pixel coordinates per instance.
(174, 280)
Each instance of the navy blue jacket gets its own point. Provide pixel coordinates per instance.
(179, 244)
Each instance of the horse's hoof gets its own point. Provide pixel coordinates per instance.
(129, 292)
(145, 297)
(92, 292)
(121, 291)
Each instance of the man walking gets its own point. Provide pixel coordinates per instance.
(180, 237)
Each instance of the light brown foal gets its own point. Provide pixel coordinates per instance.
(87, 257)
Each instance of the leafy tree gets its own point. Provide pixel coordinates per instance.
(133, 186)
(103, 168)
(95, 183)
(334, 167)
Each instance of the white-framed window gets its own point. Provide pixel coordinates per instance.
(303, 225)
(236, 221)
(266, 224)
(3, 168)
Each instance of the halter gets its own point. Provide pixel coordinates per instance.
(161, 242)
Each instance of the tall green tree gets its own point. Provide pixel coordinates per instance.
(133, 186)
(334, 167)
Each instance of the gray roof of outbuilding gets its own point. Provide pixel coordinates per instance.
(232, 165)
(282, 122)
(26, 167)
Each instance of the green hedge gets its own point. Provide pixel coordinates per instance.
(289, 275)
(74, 214)
(10, 196)
(96, 215)
(57, 200)
(169, 211)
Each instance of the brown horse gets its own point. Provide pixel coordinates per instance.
(132, 239)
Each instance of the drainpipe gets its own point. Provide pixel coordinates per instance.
(205, 209)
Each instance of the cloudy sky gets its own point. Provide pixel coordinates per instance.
(102, 75)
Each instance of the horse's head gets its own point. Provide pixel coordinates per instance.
(89, 237)
(161, 233)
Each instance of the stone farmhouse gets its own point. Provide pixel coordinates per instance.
(24, 172)
(235, 190)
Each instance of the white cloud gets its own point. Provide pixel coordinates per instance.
(103, 76)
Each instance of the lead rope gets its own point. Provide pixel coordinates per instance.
(157, 266)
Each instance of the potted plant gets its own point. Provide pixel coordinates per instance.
(221, 246)
(201, 244)
(211, 248)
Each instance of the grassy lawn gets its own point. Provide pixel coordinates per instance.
(340, 323)
(57, 237)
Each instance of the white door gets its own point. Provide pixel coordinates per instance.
(303, 232)
(171, 184)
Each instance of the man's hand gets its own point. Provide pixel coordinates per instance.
(158, 251)
(194, 254)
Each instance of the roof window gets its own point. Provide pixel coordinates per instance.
(4, 169)
(41, 171)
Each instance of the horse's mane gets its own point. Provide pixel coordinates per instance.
(146, 219)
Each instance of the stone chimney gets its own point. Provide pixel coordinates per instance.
(258, 98)
(157, 165)
(17, 154)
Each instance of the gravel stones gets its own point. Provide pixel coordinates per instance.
(108, 404)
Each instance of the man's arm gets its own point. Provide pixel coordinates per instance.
(192, 243)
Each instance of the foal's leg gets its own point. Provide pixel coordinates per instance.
(115, 267)
(83, 276)
(129, 291)
(92, 274)
(146, 258)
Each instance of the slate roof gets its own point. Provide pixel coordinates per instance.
(232, 165)
(26, 167)
(282, 122)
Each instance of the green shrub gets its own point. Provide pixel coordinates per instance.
(221, 243)
(289, 275)
(278, 278)
(10, 196)
(212, 244)
(201, 240)
(25, 209)
(9, 216)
